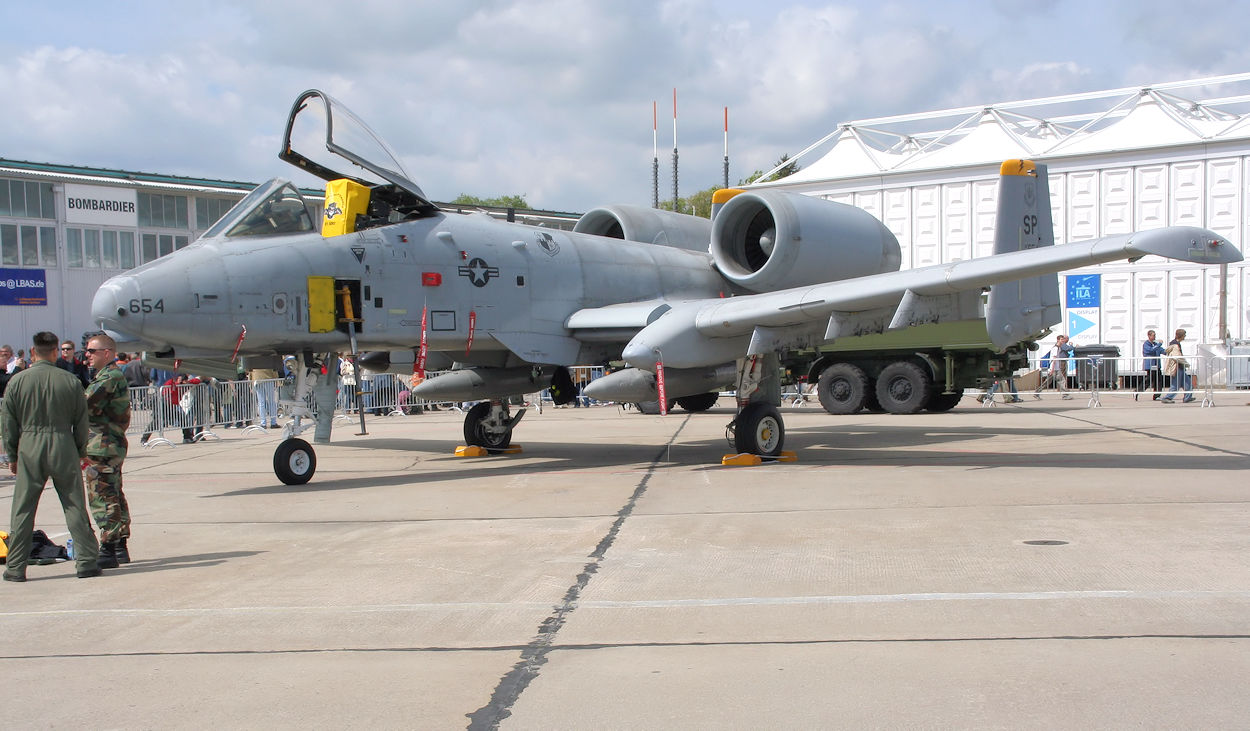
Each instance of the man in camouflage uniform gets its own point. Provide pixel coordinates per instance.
(108, 411)
(44, 422)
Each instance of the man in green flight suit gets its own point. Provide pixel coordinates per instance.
(44, 422)
(108, 412)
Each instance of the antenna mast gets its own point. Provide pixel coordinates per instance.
(655, 158)
(675, 203)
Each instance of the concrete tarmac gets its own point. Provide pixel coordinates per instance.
(1040, 565)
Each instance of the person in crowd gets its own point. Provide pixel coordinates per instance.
(68, 362)
(1055, 372)
(1177, 368)
(266, 396)
(1151, 349)
(161, 415)
(108, 413)
(998, 382)
(43, 419)
(347, 384)
(8, 360)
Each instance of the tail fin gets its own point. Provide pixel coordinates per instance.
(1024, 309)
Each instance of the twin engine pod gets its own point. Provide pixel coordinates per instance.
(769, 239)
(647, 225)
(763, 240)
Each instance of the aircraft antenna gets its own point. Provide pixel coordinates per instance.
(655, 157)
(726, 167)
(675, 204)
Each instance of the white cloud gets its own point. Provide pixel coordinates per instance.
(551, 98)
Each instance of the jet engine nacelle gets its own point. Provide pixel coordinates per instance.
(648, 225)
(770, 239)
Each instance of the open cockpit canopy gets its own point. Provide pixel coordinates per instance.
(322, 134)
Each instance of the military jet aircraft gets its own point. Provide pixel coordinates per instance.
(512, 306)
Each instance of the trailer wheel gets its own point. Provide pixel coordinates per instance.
(871, 404)
(842, 388)
(944, 401)
(903, 388)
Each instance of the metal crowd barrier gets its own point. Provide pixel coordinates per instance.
(1093, 377)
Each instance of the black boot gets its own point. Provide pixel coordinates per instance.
(120, 552)
(108, 557)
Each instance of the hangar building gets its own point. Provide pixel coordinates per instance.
(1119, 161)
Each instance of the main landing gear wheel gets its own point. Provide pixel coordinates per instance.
(486, 427)
(758, 430)
(294, 462)
(698, 402)
(653, 407)
(842, 388)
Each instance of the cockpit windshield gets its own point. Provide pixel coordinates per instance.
(276, 207)
(322, 133)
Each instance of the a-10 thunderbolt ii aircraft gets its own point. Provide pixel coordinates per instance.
(705, 303)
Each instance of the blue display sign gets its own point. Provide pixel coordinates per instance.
(23, 287)
(1084, 290)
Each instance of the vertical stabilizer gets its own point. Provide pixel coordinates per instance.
(1024, 309)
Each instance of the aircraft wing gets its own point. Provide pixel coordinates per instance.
(713, 331)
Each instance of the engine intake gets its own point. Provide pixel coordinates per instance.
(770, 239)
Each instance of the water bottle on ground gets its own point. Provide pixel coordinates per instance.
(69, 547)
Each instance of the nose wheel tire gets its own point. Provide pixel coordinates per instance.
(294, 462)
(759, 430)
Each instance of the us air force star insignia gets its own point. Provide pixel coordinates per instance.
(333, 210)
(478, 272)
(548, 244)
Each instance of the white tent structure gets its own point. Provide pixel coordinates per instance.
(1120, 160)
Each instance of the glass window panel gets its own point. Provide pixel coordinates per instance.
(47, 246)
(73, 247)
(46, 201)
(167, 244)
(108, 250)
(180, 242)
(126, 249)
(167, 206)
(18, 191)
(32, 199)
(91, 247)
(30, 246)
(5, 210)
(8, 244)
(201, 213)
(180, 211)
(149, 248)
(144, 208)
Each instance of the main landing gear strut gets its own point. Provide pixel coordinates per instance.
(757, 428)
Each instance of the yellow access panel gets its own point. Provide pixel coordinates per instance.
(321, 305)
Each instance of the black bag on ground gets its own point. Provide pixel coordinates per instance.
(43, 551)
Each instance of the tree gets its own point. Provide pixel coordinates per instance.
(503, 201)
(790, 169)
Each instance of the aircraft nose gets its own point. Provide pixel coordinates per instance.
(111, 305)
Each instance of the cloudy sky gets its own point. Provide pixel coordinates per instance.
(552, 99)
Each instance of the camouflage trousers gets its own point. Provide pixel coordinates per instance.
(103, 479)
